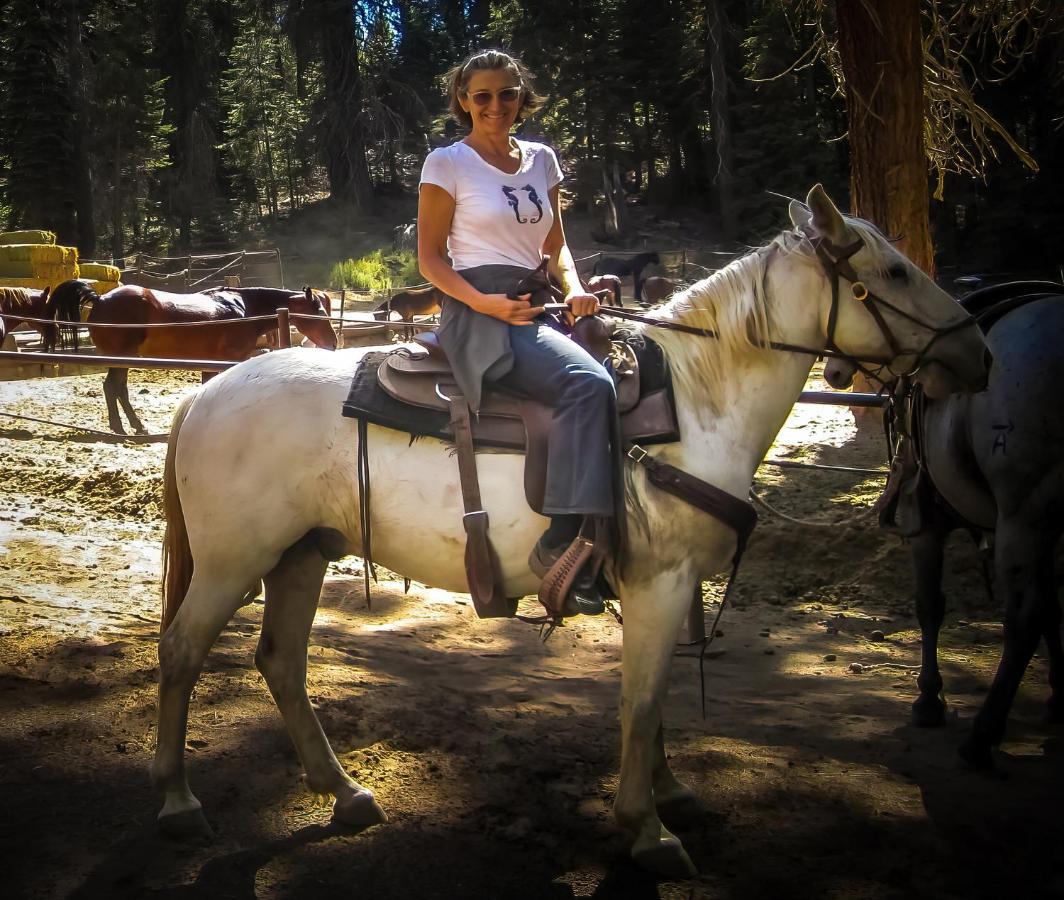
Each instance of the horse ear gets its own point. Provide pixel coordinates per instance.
(309, 293)
(827, 220)
(800, 214)
(46, 292)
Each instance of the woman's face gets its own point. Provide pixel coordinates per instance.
(492, 115)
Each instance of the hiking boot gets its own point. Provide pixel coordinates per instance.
(584, 596)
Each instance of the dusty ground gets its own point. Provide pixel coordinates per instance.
(496, 755)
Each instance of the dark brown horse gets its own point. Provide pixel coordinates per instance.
(134, 305)
(634, 265)
(19, 304)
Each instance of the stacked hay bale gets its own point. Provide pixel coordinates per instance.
(103, 277)
(32, 259)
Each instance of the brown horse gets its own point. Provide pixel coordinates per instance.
(597, 284)
(634, 265)
(19, 304)
(134, 305)
(423, 301)
(657, 288)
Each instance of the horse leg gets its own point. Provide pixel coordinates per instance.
(122, 392)
(292, 592)
(213, 596)
(929, 709)
(675, 801)
(1051, 619)
(110, 396)
(1019, 560)
(651, 624)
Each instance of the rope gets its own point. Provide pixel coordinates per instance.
(791, 464)
(806, 523)
(136, 439)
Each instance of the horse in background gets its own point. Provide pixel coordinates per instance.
(597, 284)
(422, 301)
(134, 305)
(619, 266)
(19, 304)
(657, 288)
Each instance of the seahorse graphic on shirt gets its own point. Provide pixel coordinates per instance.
(515, 203)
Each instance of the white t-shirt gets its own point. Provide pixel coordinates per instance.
(499, 219)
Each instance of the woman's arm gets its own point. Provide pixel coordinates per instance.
(435, 213)
(562, 266)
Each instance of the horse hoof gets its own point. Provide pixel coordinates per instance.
(929, 712)
(667, 859)
(187, 825)
(359, 809)
(683, 809)
(977, 755)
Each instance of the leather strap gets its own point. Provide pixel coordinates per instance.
(733, 512)
(481, 561)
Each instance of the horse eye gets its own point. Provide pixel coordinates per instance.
(898, 272)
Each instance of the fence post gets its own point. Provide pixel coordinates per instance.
(343, 305)
(683, 276)
(284, 331)
(280, 268)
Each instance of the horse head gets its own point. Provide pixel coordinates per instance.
(881, 310)
(319, 330)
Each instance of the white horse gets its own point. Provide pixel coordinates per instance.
(261, 483)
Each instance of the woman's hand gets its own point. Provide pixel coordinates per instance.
(581, 303)
(513, 312)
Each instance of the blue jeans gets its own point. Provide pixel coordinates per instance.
(551, 368)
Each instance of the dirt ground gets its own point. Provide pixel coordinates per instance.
(496, 755)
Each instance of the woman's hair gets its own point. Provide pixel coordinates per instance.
(458, 82)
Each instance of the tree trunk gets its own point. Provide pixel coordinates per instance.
(117, 250)
(717, 28)
(883, 66)
(81, 175)
(344, 143)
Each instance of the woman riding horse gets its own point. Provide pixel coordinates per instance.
(480, 207)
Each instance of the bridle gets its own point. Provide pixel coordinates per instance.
(835, 261)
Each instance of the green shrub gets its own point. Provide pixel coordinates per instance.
(376, 271)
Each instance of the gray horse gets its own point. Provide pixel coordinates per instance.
(996, 467)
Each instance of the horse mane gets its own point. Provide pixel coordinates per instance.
(13, 299)
(732, 303)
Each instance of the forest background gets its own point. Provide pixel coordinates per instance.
(175, 126)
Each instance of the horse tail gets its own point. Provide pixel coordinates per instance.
(68, 298)
(50, 331)
(177, 554)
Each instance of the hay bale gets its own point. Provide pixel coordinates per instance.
(39, 254)
(27, 237)
(39, 283)
(98, 271)
(102, 287)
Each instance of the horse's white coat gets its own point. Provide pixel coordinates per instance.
(264, 456)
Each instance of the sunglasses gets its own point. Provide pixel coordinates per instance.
(506, 95)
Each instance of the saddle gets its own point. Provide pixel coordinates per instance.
(421, 381)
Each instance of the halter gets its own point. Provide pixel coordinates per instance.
(835, 261)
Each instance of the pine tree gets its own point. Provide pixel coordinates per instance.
(36, 117)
